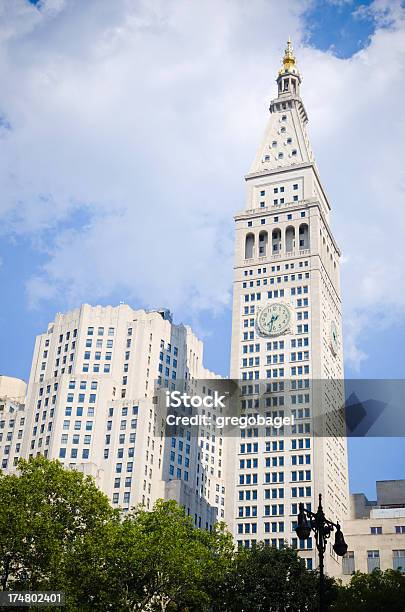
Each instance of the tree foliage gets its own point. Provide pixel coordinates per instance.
(44, 512)
(372, 592)
(59, 532)
(267, 579)
(152, 561)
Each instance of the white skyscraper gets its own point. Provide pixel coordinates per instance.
(286, 337)
(92, 403)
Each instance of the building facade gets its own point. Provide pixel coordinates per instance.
(375, 531)
(93, 403)
(286, 336)
(12, 421)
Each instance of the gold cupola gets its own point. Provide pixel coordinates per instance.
(289, 78)
(289, 62)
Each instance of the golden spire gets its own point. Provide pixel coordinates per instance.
(288, 59)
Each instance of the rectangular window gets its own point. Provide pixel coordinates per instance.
(348, 565)
(399, 560)
(373, 560)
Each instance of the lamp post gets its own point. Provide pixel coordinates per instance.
(317, 522)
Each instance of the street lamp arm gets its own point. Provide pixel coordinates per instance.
(313, 515)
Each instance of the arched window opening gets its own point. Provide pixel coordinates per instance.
(290, 239)
(304, 236)
(263, 240)
(249, 246)
(276, 241)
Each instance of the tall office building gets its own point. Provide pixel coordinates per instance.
(286, 336)
(92, 403)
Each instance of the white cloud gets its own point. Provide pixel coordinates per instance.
(132, 124)
(382, 12)
(130, 134)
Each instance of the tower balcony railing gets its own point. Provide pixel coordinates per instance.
(274, 208)
(277, 256)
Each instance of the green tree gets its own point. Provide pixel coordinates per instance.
(158, 561)
(372, 593)
(59, 532)
(267, 579)
(93, 570)
(45, 511)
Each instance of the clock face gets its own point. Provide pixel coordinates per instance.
(334, 338)
(274, 319)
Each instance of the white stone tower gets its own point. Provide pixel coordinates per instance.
(286, 335)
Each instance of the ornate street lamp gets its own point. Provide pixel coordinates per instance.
(317, 522)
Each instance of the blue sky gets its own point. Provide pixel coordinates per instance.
(333, 25)
(97, 147)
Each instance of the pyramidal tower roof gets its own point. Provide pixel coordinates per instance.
(285, 141)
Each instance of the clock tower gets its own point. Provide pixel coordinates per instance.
(287, 338)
